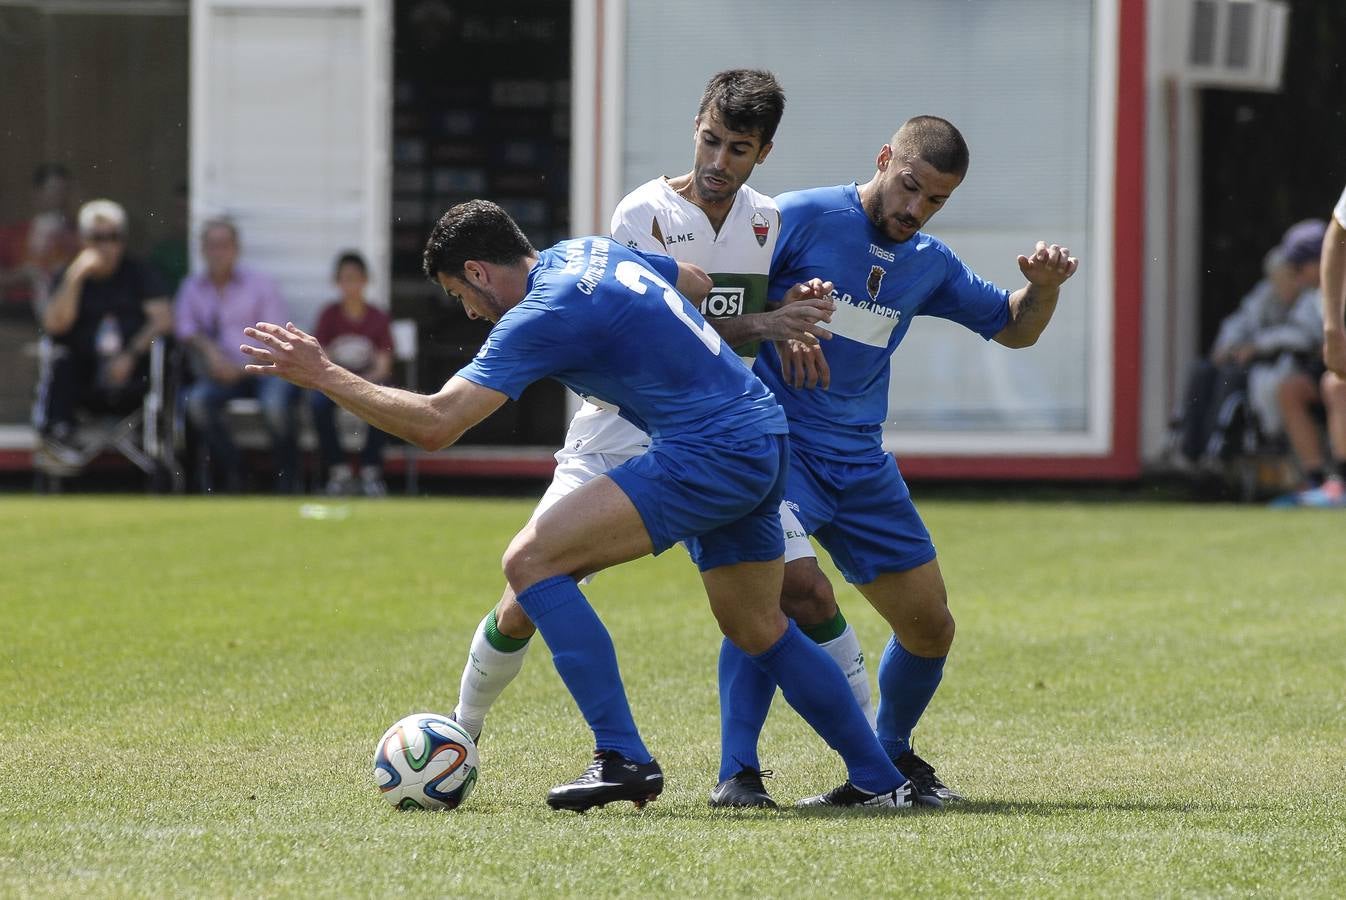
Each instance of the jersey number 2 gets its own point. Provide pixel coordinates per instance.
(633, 275)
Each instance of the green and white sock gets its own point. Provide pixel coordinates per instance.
(837, 637)
(492, 662)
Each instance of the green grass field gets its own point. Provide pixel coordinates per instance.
(1143, 700)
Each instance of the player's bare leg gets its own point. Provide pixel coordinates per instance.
(915, 604)
(590, 529)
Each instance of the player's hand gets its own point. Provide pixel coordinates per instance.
(88, 261)
(802, 363)
(287, 352)
(1334, 351)
(814, 287)
(798, 320)
(1049, 266)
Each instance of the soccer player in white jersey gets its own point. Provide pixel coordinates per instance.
(710, 218)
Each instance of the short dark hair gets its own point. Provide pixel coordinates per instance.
(934, 140)
(477, 229)
(350, 258)
(746, 100)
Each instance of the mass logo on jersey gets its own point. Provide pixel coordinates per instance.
(876, 274)
(760, 228)
(723, 301)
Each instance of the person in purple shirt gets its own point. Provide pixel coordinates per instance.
(212, 308)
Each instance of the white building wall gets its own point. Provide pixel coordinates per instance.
(289, 123)
(1037, 106)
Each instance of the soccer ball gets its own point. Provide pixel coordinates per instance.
(425, 761)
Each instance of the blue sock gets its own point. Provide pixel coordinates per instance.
(906, 684)
(745, 698)
(815, 686)
(583, 654)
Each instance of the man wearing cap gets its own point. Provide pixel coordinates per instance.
(1301, 392)
(1331, 389)
(1272, 335)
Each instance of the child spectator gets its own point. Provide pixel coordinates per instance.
(358, 337)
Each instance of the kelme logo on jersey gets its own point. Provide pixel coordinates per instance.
(723, 301)
(760, 228)
(875, 281)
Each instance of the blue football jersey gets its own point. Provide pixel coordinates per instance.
(880, 286)
(606, 322)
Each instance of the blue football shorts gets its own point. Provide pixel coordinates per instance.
(860, 511)
(721, 497)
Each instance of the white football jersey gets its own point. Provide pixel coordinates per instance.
(1339, 213)
(656, 219)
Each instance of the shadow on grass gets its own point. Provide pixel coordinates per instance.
(769, 817)
(1057, 807)
(1038, 808)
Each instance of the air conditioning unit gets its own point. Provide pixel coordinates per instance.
(1236, 44)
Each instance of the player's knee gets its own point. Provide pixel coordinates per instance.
(931, 634)
(523, 564)
(807, 596)
(753, 635)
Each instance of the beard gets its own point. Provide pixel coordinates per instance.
(879, 217)
(709, 194)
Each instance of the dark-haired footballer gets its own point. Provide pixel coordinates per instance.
(607, 322)
(711, 217)
(846, 490)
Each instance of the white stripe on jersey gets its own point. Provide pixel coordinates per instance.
(861, 325)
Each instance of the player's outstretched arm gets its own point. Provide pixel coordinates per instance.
(796, 318)
(1333, 277)
(1031, 306)
(430, 421)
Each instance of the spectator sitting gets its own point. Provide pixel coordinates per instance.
(34, 250)
(358, 337)
(1324, 484)
(1272, 336)
(213, 307)
(105, 311)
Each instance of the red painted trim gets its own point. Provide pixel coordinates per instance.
(1045, 468)
(1128, 236)
(1122, 461)
(502, 466)
(16, 460)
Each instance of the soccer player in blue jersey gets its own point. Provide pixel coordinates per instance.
(605, 321)
(848, 492)
(712, 218)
